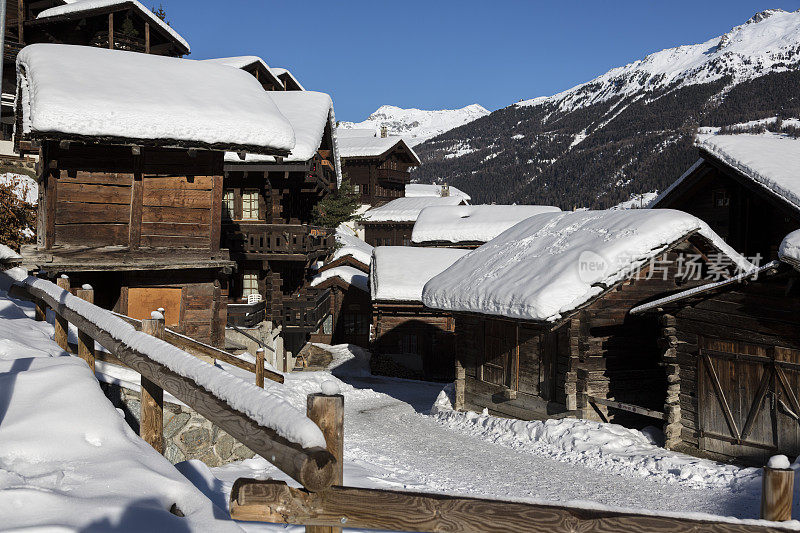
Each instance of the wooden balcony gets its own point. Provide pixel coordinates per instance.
(291, 242)
(10, 50)
(305, 311)
(397, 176)
(246, 315)
(121, 42)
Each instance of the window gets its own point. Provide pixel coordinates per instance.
(228, 205)
(721, 198)
(249, 283)
(250, 205)
(355, 323)
(357, 188)
(408, 343)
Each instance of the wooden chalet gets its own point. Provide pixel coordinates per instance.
(267, 222)
(351, 308)
(411, 335)
(745, 187)
(120, 25)
(731, 352)
(542, 320)
(469, 226)
(131, 175)
(256, 67)
(392, 224)
(377, 166)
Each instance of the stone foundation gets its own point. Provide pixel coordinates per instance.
(187, 435)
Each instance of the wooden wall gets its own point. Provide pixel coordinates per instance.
(364, 173)
(737, 359)
(350, 307)
(432, 331)
(388, 233)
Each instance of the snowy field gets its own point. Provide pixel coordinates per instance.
(399, 434)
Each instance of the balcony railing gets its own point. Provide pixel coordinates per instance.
(121, 42)
(246, 315)
(277, 239)
(11, 49)
(306, 311)
(399, 176)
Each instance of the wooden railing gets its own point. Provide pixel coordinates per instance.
(306, 310)
(388, 174)
(11, 49)
(121, 42)
(261, 239)
(246, 315)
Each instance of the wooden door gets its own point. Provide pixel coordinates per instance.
(144, 300)
(499, 353)
(739, 386)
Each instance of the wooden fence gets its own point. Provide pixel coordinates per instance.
(323, 505)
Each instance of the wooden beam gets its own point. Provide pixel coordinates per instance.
(85, 342)
(260, 368)
(311, 467)
(61, 324)
(627, 407)
(111, 31)
(21, 21)
(327, 412)
(151, 424)
(274, 501)
(137, 199)
(146, 37)
(216, 214)
(49, 210)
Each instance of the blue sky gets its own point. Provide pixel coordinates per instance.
(438, 54)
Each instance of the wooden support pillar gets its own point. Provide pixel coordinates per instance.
(21, 21)
(777, 489)
(327, 412)
(146, 37)
(216, 213)
(48, 209)
(137, 198)
(41, 310)
(111, 31)
(460, 386)
(260, 367)
(85, 342)
(151, 425)
(61, 325)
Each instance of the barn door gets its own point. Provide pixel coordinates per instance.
(499, 350)
(787, 381)
(737, 397)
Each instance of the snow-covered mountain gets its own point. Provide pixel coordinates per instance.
(418, 125)
(627, 131)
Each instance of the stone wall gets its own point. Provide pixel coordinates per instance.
(187, 435)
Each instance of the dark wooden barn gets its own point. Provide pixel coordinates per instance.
(392, 224)
(378, 166)
(351, 307)
(417, 338)
(542, 319)
(745, 187)
(138, 218)
(732, 357)
(267, 222)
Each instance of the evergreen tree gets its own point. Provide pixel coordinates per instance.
(337, 207)
(160, 13)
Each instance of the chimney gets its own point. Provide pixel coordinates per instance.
(445, 190)
(384, 131)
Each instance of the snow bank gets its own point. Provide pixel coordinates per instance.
(471, 223)
(408, 209)
(415, 190)
(351, 245)
(550, 264)
(25, 187)
(770, 160)
(309, 113)
(89, 91)
(265, 406)
(398, 273)
(789, 250)
(88, 5)
(356, 143)
(352, 276)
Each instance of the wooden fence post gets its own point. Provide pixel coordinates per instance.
(41, 310)
(327, 412)
(260, 367)
(61, 325)
(777, 489)
(85, 342)
(151, 424)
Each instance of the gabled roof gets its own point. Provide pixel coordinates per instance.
(290, 83)
(471, 223)
(355, 143)
(415, 190)
(345, 260)
(770, 161)
(352, 246)
(244, 62)
(309, 113)
(398, 273)
(82, 8)
(407, 209)
(552, 264)
(350, 276)
(98, 95)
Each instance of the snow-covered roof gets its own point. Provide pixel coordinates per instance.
(351, 245)
(415, 190)
(770, 160)
(398, 273)
(243, 62)
(408, 209)
(309, 113)
(84, 91)
(82, 6)
(551, 264)
(278, 72)
(471, 223)
(355, 143)
(789, 250)
(350, 275)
